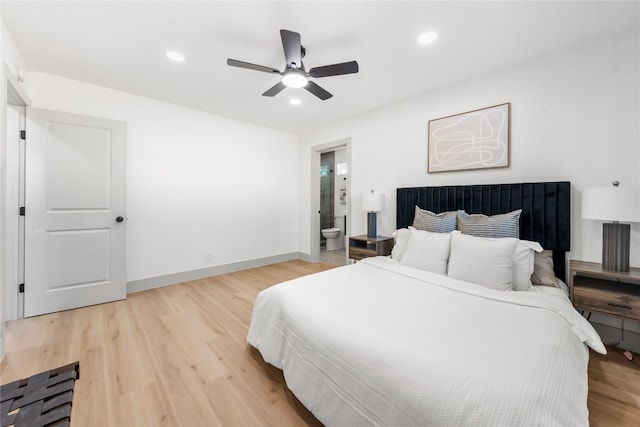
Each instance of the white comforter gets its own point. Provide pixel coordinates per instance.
(377, 343)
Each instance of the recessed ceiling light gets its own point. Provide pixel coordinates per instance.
(175, 56)
(427, 37)
(295, 101)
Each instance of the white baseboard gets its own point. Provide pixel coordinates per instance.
(185, 276)
(304, 257)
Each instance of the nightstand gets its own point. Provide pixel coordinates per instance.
(363, 246)
(615, 293)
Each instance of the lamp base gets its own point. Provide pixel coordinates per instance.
(372, 229)
(615, 246)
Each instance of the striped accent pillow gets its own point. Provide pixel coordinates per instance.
(503, 225)
(444, 222)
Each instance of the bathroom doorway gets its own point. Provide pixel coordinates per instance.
(334, 206)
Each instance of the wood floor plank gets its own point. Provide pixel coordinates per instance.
(178, 356)
(87, 331)
(181, 385)
(90, 388)
(261, 381)
(229, 403)
(145, 407)
(614, 390)
(195, 346)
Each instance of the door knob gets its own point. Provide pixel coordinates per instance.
(119, 219)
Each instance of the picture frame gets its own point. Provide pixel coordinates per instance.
(477, 139)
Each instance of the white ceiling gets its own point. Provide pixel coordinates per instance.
(122, 45)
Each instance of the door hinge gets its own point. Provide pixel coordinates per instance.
(21, 288)
(22, 210)
(23, 134)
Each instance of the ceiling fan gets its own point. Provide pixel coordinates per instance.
(294, 74)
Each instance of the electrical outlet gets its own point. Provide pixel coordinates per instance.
(208, 256)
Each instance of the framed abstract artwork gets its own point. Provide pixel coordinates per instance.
(477, 139)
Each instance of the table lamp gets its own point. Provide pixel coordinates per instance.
(618, 205)
(372, 203)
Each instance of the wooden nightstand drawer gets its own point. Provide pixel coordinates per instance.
(603, 301)
(362, 246)
(615, 293)
(359, 253)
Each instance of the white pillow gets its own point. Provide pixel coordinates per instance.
(522, 264)
(402, 237)
(482, 261)
(427, 251)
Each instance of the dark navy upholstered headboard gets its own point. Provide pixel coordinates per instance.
(546, 216)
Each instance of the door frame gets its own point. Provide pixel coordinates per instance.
(12, 94)
(316, 151)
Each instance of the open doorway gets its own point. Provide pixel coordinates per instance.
(331, 202)
(334, 173)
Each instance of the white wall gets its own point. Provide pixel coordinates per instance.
(3, 95)
(196, 182)
(10, 53)
(574, 116)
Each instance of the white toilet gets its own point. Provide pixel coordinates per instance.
(335, 235)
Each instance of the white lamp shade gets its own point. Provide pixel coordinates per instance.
(611, 204)
(372, 202)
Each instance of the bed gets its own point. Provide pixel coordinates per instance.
(383, 343)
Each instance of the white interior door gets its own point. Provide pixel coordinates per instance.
(75, 199)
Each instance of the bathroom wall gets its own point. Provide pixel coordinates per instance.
(327, 191)
(340, 202)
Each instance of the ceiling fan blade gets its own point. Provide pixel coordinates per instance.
(334, 70)
(276, 89)
(248, 65)
(317, 91)
(292, 48)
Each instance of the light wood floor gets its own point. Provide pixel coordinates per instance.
(178, 356)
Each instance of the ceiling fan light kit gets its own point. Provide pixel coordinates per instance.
(294, 74)
(295, 79)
